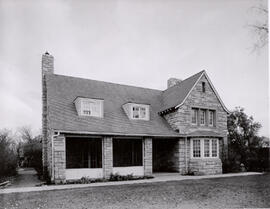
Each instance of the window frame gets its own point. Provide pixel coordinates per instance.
(202, 153)
(140, 106)
(213, 119)
(196, 110)
(204, 117)
(91, 102)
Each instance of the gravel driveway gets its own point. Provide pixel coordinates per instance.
(244, 191)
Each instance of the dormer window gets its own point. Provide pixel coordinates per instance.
(137, 111)
(89, 107)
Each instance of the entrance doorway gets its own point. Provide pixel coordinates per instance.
(165, 155)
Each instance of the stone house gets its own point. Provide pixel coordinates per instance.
(94, 128)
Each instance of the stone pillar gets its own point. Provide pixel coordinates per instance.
(59, 159)
(107, 153)
(182, 154)
(147, 156)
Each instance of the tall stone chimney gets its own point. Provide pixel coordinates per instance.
(173, 81)
(47, 63)
(47, 67)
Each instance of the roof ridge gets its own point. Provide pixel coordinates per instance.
(190, 77)
(105, 82)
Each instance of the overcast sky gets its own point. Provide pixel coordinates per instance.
(140, 43)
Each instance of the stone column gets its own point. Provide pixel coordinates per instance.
(147, 156)
(59, 158)
(107, 159)
(182, 154)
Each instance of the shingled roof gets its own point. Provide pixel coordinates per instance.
(62, 90)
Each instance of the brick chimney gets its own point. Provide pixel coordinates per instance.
(47, 63)
(173, 81)
(47, 67)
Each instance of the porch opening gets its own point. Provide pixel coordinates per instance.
(83, 153)
(165, 155)
(127, 152)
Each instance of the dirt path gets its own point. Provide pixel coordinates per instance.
(26, 178)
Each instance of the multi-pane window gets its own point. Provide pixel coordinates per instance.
(204, 148)
(89, 107)
(194, 114)
(202, 117)
(214, 148)
(196, 148)
(211, 118)
(139, 112)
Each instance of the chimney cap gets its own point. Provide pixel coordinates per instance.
(47, 53)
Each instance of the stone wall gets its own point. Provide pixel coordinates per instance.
(181, 120)
(147, 156)
(205, 166)
(59, 155)
(107, 159)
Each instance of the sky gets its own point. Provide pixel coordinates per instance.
(141, 43)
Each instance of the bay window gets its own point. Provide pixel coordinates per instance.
(204, 148)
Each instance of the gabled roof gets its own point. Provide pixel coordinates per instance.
(63, 90)
(176, 95)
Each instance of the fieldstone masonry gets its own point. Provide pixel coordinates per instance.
(47, 66)
(181, 120)
(107, 160)
(147, 160)
(59, 152)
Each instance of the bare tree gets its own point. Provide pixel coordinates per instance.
(259, 26)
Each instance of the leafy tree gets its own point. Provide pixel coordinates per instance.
(8, 159)
(243, 141)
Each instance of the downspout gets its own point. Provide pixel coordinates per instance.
(186, 155)
(53, 136)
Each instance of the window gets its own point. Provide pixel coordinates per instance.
(127, 152)
(196, 148)
(89, 107)
(204, 148)
(203, 86)
(202, 117)
(194, 115)
(83, 153)
(211, 117)
(214, 148)
(139, 112)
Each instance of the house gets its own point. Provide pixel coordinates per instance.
(94, 128)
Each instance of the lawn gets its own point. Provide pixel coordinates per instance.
(246, 191)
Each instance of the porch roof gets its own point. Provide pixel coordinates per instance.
(202, 133)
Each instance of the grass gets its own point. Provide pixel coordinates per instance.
(244, 191)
